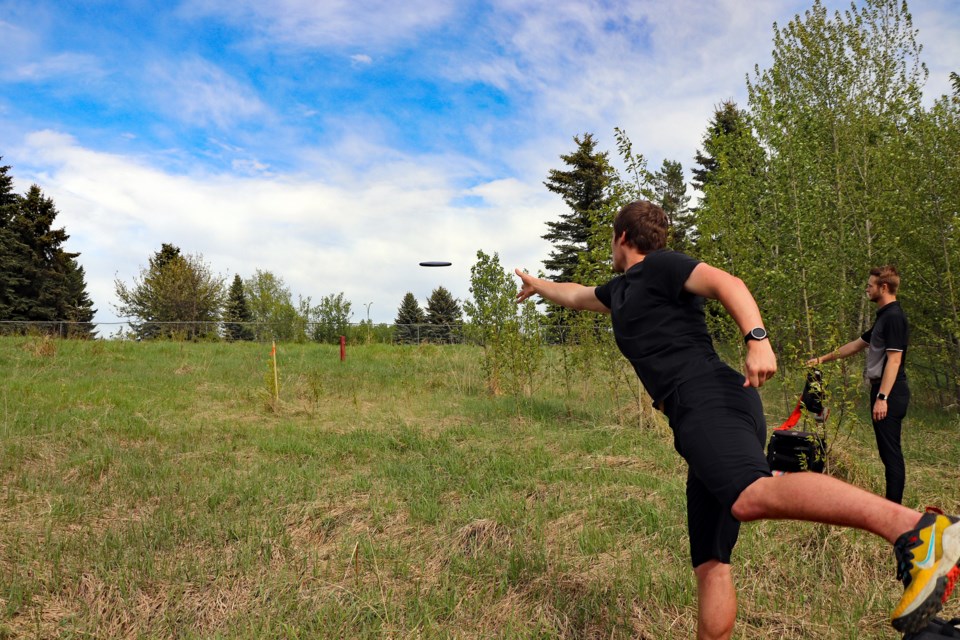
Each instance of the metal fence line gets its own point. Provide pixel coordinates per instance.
(385, 332)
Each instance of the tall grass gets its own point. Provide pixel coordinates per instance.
(150, 490)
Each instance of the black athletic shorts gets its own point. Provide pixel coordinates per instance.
(719, 429)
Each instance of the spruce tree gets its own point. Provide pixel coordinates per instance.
(409, 318)
(237, 314)
(444, 317)
(584, 188)
(14, 255)
(671, 194)
(41, 292)
(78, 308)
(729, 121)
(39, 280)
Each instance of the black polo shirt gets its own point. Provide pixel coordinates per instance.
(659, 327)
(890, 332)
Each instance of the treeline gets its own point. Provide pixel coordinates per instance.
(40, 281)
(178, 296)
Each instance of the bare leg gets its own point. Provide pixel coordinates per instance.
(815, 497)
(716, 601)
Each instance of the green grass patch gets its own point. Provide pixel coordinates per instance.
(153, 490)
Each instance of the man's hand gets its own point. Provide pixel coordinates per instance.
(813, 362)
(879, 410)
(760, 363)
(527, 286)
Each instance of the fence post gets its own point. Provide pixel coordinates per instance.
(343, 348)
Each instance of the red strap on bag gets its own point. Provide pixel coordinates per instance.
(794, 418)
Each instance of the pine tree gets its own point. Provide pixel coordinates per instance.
(237, 314)
(78, 308)
(46, 287)
(444, 317)
(39, 280)
(14, 255)
(671, 194)
(729, 121)
(409, 318)
(584, 189)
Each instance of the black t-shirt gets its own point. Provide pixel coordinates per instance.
(890, 332)
(659, 327)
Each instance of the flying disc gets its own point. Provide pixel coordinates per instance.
(435, 263)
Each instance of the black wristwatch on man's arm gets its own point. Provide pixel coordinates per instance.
(756, 334)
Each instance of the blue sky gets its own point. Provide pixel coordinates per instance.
(337, 143)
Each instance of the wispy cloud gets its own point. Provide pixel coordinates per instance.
(72, 66)
(329, 24)
(200, 93)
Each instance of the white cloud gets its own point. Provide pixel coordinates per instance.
(361, 59)
(364, 236)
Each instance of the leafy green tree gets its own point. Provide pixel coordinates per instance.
(509, 333)
(829, 112)
(818, 179)
(670, 192)
(331, 318)
(236, 313)
(444, 317)
(410, 317)
(176, 296)
(273, 311)
(929, 242)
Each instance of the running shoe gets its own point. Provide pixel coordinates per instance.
(927, 560)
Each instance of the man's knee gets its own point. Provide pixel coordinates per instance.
(749, 504)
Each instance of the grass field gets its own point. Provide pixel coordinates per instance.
(151, 490)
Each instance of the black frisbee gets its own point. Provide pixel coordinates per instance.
(435, 263)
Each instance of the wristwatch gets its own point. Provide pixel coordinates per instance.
(882, 396)
(756, 334)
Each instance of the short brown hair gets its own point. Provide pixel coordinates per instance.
(887, 275)
(645, 225)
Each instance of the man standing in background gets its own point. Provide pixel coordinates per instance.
(886, 344)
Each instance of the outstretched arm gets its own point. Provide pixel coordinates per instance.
(565, 294)
(710, 282)
(852, 347)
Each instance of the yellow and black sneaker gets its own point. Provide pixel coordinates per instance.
(927, 560)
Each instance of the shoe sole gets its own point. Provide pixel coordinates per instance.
(938, 589)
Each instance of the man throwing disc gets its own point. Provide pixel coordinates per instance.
(718, 425)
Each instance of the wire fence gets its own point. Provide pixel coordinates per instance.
(356, 333)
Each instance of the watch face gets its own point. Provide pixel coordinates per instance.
(758, 333)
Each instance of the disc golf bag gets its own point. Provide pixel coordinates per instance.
(796, 451)
(791, 450)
